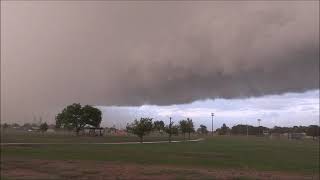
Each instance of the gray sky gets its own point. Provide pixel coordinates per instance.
(289, 109)
(161, 53)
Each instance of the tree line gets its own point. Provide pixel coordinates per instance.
(144, 126)
(43, 126)
(240, 129)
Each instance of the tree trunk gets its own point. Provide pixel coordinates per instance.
(169, 138)
(184, 136)
(189, 135)
(141, 139)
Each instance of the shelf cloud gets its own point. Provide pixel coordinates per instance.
(161, 53)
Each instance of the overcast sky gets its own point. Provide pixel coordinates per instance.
(130, 54)
(289, 109)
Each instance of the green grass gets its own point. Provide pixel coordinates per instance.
(218, 152)
(36, 137)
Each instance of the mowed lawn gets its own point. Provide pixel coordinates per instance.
(36, 137)
(228, 152)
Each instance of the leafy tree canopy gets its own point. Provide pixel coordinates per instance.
(202, 129)
(186, 126)
(158, 125)
(183, 126)
(190, 126)
(77, 117)
(224, 130)
(44, 127)
(141, 127)
(313, 130)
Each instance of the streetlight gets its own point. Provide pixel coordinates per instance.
(212, 114)
(259, 126)
(247, 130)
(170, 130)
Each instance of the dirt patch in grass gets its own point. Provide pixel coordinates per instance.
(58, 169)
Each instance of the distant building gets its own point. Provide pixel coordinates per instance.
(110, 131)
(265, 133)
(93, 131)
(34, 128)
(114, 132)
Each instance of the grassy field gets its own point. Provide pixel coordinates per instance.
(35, 137)
(220, 153)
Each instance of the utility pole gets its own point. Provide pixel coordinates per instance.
(170, 130)
(259, 126)
(247, 130)
(212, 114)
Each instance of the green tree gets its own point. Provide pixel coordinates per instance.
(202, 129)
(224, 130)
(140, 128)
(43, 127)
(183, 125)
(171, 130)
(91, 116)
(313, 130)
(77, 117)
(168, 130)
(158, 125)
(190, 127)
(5, 126)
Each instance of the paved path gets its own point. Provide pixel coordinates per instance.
(114, 143)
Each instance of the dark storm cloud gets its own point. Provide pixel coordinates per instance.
(134, 53)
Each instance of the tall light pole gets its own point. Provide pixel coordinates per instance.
(170, 130)
(212, 114)
(259, 126)
(247, 130)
